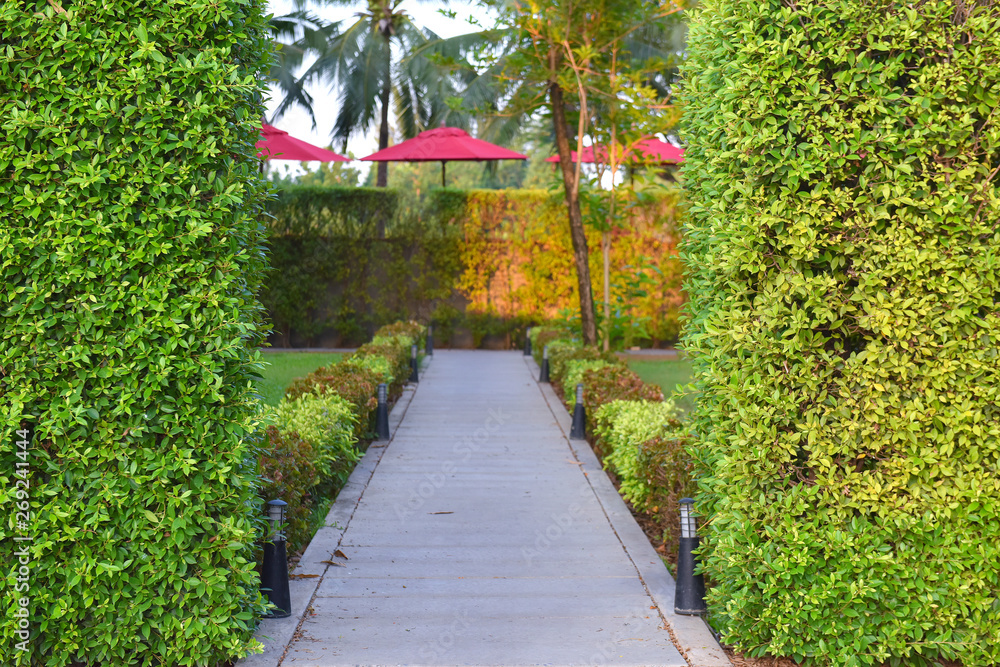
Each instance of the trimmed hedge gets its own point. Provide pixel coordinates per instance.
(288, 472)
(130, 252)
(842, 248)
(487, 262)
(323, 423)
(637, 434)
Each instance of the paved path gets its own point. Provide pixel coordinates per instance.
(481, 539)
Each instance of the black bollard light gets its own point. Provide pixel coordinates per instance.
(429, 348)
(579, 429)
(689, 598)
(413, 364)
(527, 342)
(382, 413)
(544, 375)
(274, 569)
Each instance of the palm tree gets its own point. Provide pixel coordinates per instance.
(356, 59)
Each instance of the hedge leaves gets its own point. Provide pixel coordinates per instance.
(843, 257)
(129, 256)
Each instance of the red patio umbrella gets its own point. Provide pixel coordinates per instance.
(277, 144)
(444, 144)
(647, 151)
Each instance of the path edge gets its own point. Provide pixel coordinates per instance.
(276, 634)
(696, 640)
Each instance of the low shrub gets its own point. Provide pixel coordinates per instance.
(616, 382)
(563, 350)
(413, 330)
(327, 422)
(668, 471)
(355, 380)
(287, 472)
(573, 375)
(396, 350)
(379, 366)
(542, 336)
(623, 427)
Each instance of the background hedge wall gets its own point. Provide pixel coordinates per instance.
(842, 254)
(486, 262)
(129, 256)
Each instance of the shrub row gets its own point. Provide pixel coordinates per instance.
(639, 436)
(315, 433)
(842, 246)
(130, 253)
(479, 262)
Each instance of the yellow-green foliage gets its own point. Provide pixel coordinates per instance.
(130, 253)
(842, 248)
(327, 422)
(574, 370)
(623, 427)
(505, 253)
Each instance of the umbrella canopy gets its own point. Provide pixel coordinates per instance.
(277, 144)
(444, 144)
(647, 151)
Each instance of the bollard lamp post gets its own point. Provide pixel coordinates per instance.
(544, 375)
(413, 364)
(274, 569)
(382, 413)
(578, 431)
(689, 598)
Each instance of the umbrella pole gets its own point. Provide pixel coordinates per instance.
(443, 163)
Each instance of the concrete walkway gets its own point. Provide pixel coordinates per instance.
(480, 535)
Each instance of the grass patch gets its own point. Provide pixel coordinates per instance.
(669, 375)
(282, 367)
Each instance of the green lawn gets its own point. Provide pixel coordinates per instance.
(280, 368)
(668, 374)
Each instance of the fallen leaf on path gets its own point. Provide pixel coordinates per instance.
(302, 576)
(333, 562)
(440, 512)
(340, 554)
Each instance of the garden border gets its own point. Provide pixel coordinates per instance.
(277, 633)
(691, 633)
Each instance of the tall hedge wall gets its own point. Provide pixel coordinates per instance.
(843, 279)
(477, 257)
(130, 250)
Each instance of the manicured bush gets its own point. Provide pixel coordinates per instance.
(413, 330)
(397, 350)
(623, 427)
(328, 423)
(287, 471)
(542, 336)
(841, 245)
(353, 381)
(130, 252)
(615, 382)
(573, 371)
(558, 347)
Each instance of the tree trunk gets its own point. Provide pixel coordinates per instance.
(588, 322)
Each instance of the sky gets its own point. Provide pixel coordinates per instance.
(297, 122)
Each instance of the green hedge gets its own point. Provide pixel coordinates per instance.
(130, 251)
(319, 430)
(842, 248)
(483, 262)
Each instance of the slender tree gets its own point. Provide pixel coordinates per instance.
(553, 55)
